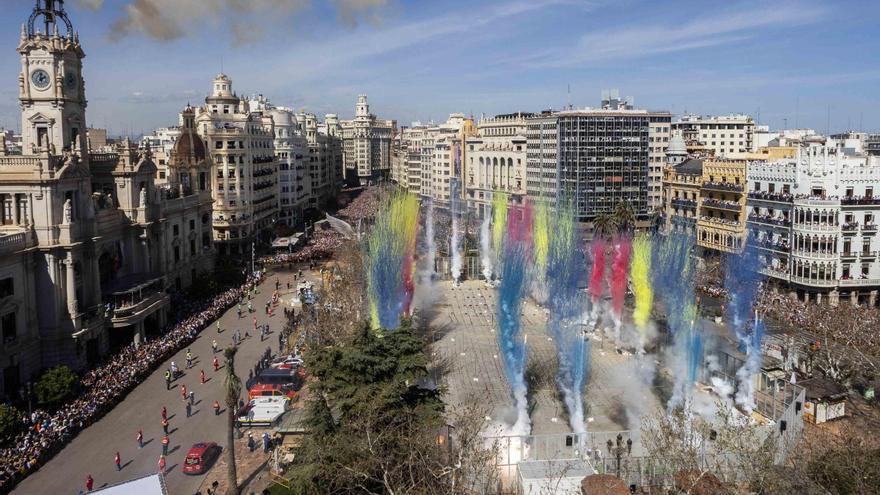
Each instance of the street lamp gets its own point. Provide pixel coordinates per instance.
(618, 448)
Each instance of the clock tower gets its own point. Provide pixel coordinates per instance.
(50, 84)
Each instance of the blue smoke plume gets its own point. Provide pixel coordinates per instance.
(510, 341)
(742, 281)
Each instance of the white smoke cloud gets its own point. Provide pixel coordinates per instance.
(351, 10)
(92, 4)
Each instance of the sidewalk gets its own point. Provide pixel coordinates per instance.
(247, 463)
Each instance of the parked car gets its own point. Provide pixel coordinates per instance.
(271, 390)
(200, 457)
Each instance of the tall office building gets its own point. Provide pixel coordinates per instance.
(594, 158)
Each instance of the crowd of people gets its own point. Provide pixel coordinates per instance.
(45, 433)
(321, 246)
(362, 206)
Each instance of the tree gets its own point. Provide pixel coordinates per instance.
(624, 218)
(604, 225)
(9, 418)
(374, 420)
(232, 389)
(55, 385)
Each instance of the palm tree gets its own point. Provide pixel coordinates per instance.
(625, 217)
(604, 225)
(232, 386)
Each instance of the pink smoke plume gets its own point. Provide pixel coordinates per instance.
(619, 271)
(598, 275)
(519, 225)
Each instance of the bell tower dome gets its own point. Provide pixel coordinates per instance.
(51, 86)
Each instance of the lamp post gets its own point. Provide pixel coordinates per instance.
(618, 448)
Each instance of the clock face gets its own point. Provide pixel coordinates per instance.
(40, 79)
(70, 81)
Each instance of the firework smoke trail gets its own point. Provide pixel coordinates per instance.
(499, 220)
(597, 277)
(742, 281)
(564, 268)
(429, 237)
(640, 271)
(542, 236)
(745, 393)
(619, 271)
(455, 240)
(510, 296)
(672, 274)
(486, 248)
(389, 260)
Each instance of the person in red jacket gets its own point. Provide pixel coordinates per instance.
(216, 364)
(165, 442)
(118, 462)
(183, 391)
(162, 464)
(89, 482)
(202, 376)
(164, 413)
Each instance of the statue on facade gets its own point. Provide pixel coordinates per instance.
(143, 201)
(68, 211)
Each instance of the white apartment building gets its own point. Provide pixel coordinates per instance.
(815, 220)
(292, 153)
(245, 182)
(324, 168)
(441, 158)
(411, 141)
(367, 144)
(496, 160)
(160, 143)
(722, 135)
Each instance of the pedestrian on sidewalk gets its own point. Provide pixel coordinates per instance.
(164, 413)
(140, 439)
(214, 345)
(183, 391)
(89, 483)
(218, 327)
(162, 464)
(165, 426)
(165, 442)
(167, 379)
(192, 398)
(266, 443)
(216, 364)
(251, 445)
(188, 409)
(118, 462)
(202, 376)
(216, 408)
(189, 359)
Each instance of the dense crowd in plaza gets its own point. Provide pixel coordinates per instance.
(362, 206)
(319, 247)
(45, 433)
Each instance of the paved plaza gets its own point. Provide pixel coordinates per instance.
(464, 319)
(93, 450)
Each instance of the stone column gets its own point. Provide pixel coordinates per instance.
(16, 215)
(819, 298)
(872, 298)
(71, 285)
(854, 297)
(138, 334)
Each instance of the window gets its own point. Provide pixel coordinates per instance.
(7, 287)
(10, 330)
(176, 230)
(176, 254)
(192, 224)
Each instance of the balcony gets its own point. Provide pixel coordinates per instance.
(813, 282)
(815, 255)
(849, 228)
(734, 206)
(859, 282)
(770, 221)
(722, 186)
(780, 273)
(11, 243)
(849, 255)
(771, 197)
(868, 254)
(816, 227)
(779, 247)
(853, 201)
(131, 298)
(869, 227)
(684, 203)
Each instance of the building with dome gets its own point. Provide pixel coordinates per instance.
(244, 184)
(367, 144)
(90, 246)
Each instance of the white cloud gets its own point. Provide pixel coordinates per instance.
(739, 22)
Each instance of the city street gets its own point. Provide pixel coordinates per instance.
(93, 450)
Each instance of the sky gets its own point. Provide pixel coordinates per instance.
(805, 63)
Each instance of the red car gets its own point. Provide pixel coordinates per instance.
(200, 457)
